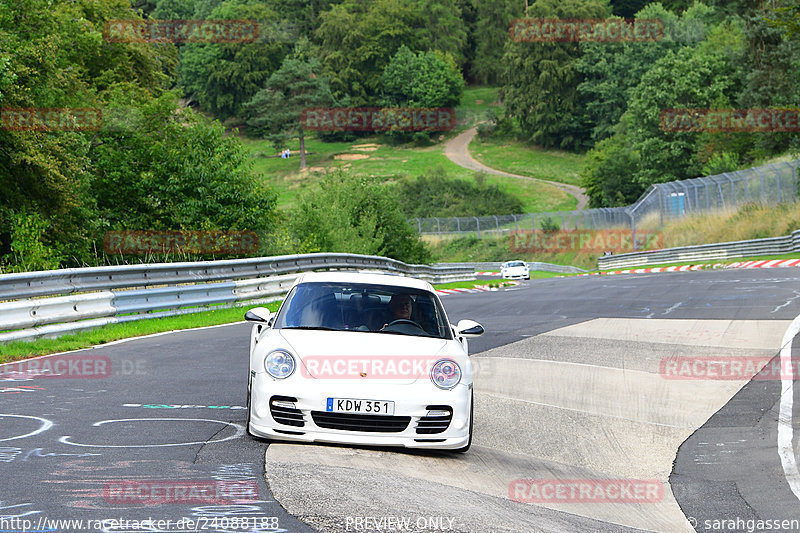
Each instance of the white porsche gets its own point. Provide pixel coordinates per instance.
(515, 270)
(362, 359)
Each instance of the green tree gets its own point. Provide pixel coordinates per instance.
(175, 169)
(173, 9)
(54, 55)
(540, 80)
(222, 77)
(275, 111)
(357, 39)
(425, 79)
(29, 251)
(787, 18)
(491, 33)
(702, 77)
(607, 173)
(355, 214)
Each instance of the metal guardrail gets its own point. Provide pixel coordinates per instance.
(534, 266)
(55, 302)
(705, 252)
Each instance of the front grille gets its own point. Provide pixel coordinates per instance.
(286, 415)
(428, 425)
(366, 423)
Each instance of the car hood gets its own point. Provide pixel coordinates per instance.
(345, 355)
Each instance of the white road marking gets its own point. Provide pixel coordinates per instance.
(239, 433)
(785, 429)
(46, 424)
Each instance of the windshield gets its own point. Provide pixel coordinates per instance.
(515, 264)
(361, 307)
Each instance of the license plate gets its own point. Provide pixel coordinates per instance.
(364, 407)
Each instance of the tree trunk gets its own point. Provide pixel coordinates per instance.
(302, 149)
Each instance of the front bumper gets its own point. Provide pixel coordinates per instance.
(411, 400)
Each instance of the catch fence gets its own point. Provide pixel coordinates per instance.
(770, 184)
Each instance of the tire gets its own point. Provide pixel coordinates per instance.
(249, 388)
(469, 442)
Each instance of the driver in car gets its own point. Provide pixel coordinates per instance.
(400, 308)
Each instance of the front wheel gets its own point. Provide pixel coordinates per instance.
(249, 392)
(471, 410)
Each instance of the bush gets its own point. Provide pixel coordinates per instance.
(355, 214)
(28, 251)
(439, 195)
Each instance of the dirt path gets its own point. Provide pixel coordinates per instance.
(457, 150)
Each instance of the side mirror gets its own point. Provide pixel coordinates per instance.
(469, 328)
(258, 314)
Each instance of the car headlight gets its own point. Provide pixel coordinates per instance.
(279, 364)
(446, 374)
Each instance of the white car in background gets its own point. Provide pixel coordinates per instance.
(335, 364)
(515, 270)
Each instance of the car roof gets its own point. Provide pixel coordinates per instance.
(362, 277)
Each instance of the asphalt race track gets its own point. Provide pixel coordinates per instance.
(572, 387)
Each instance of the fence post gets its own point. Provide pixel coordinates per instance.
(419, 226)
(497, 223)
(478, 222)
(533, 223)
(438, 227)
(760, 175)
(777, 181)
(516, 228)
(633, 229)
(734, 203)
(458, 225)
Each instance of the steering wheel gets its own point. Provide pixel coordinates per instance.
(403, 322)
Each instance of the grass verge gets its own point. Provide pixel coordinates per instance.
(525, 160)
(85, 339)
